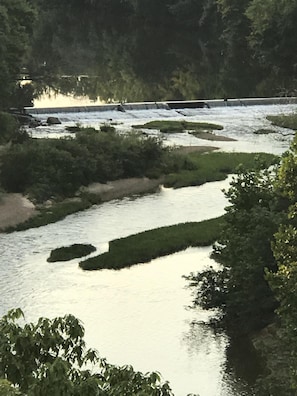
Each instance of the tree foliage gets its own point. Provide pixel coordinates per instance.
(58, 167)
(256, 285)
(16, 27)
(283, 281)
(50, 358)
(244, 250)
(9, 127)
(146, 50)
(273, 41)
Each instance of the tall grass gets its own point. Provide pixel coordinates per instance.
(284, 120)
(148, 245)
(201, 168)
(66, 253)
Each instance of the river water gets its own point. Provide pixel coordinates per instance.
(140, 315)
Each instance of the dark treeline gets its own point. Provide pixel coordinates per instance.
(149, 50)
(176, 49)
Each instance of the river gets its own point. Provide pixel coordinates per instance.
(140, 315)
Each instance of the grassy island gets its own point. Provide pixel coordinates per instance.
(284, 120)
(66, 253)
(200, 168)
(148, 245)
(168, 126)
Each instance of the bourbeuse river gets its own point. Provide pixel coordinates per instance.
(140, 315)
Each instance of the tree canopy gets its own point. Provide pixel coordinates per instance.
(255, 288)
(50, 358)
(146, 50)
(16, 29)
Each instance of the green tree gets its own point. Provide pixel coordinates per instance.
(238, 74)
(16, 27)
(258, 253)
(244, 250)
(273, 41)
(50, 358)
(283, 281)
(9, 127)
(44, 168)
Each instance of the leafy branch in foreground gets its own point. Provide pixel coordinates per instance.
(50, 358)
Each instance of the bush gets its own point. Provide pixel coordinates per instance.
(8, 127)
(46, 168)
(67, 253)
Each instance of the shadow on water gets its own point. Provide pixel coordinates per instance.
(242, 364)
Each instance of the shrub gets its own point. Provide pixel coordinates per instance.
(8, 127)
(66, 253)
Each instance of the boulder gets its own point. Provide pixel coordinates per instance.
(53, 121)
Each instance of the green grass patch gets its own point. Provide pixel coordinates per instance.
(148, 245)
(284, 120)
(107, 128)
(167, 126)
(52, 214)
(200, 168)
(201, 134)
(73, 129)
(66, 253)
(192, 169)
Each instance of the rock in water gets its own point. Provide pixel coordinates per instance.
(53, 121)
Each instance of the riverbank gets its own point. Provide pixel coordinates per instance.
(15, 209)
(18, 213)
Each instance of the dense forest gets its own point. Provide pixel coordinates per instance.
(130, 50)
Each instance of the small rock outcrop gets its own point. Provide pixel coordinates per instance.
(53, 121)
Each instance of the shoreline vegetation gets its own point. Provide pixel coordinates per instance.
(37, 190)
(45, 180)
(206, 166)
